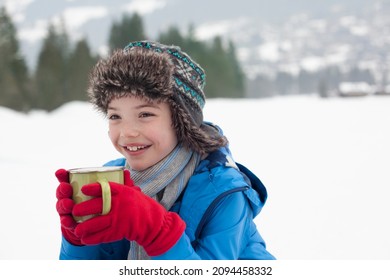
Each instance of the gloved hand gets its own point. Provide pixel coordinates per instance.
(65, 206)
(134, 216)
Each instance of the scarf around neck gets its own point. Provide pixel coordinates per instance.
(164, 182)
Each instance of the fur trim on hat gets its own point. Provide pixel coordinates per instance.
(140, 73)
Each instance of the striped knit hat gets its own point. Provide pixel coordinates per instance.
(161, 73)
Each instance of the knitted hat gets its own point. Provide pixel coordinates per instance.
(160, 73)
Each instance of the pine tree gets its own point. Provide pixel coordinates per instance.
(13, 70)
(216, 70)
(224, 79)
(52, 76)
(81, 62)
(223, 73)
(238, 74)
(195, 47)
(172, 37)
(130, 28)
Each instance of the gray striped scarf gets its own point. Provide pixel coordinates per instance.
(164, 182)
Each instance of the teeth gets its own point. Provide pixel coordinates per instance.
(135, 148)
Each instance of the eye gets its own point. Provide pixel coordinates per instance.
(113, 117)
(146, 114)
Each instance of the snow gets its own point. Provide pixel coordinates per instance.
(325, 163)
(269, 51)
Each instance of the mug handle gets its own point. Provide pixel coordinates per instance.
(106, 195)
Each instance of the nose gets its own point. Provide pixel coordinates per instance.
(129, 130)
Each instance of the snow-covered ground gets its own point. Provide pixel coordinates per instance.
(325, 163)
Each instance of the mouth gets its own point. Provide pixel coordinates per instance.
(135, 148)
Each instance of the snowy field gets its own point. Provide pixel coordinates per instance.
(325, 163)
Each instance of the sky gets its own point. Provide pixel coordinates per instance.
(324, 162)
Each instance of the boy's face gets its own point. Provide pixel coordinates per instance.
(141, 131)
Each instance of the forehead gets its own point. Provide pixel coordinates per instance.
(131, 102)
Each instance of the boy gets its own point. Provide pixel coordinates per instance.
(186, 198)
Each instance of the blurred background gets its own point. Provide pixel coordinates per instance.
(300, 88)
(249, 48)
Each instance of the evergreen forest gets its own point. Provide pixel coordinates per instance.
(62, 67)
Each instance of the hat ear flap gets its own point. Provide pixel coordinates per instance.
(200, 138)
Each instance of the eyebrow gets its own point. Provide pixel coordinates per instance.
(146, 105)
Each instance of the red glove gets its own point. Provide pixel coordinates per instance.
(65, 206)
(134, 216)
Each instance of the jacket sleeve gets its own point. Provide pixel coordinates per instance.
(107, 251)
(229, 232)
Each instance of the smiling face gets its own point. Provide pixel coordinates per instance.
(141, 131)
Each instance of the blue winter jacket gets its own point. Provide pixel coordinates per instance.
(218, 205)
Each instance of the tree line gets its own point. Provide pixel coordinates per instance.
(324, 82)
(62, 68)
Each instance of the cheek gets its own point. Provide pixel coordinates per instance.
(112, 134)
(170, 137)
(164, 136)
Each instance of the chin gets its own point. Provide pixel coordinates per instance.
(137, 167)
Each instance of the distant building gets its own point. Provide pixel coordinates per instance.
(351, 89)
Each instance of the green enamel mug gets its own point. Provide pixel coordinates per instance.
(79, 177)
